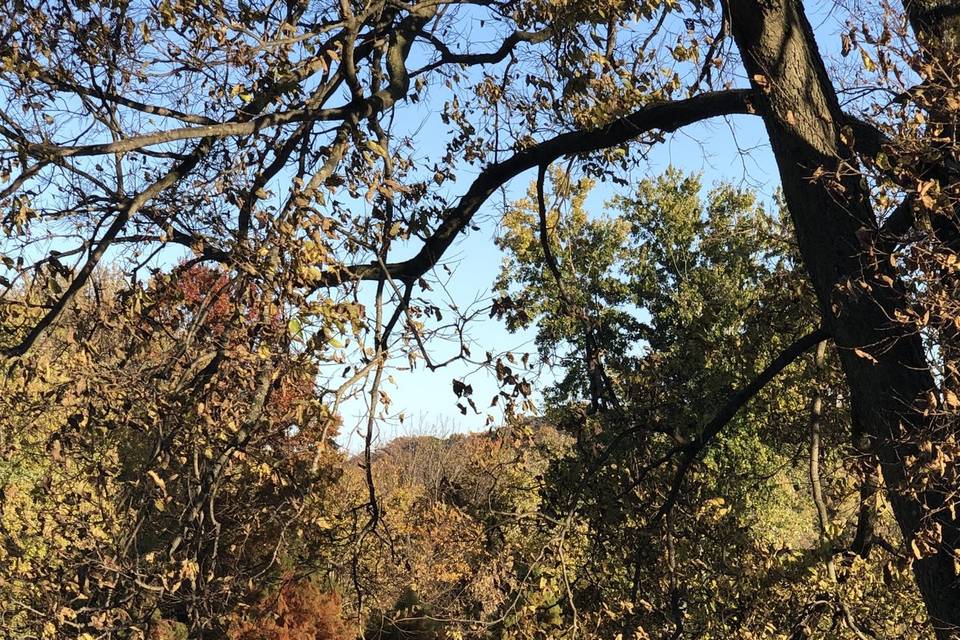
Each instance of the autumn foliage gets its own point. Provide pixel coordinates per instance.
(230, 229)
(297, 611)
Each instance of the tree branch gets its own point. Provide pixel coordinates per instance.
(726, 413)
(663, 116)
(506, 47)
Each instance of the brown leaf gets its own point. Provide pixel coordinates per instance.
(157, 480)
(950, 399)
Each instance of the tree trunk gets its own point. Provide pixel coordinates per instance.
(884, 362)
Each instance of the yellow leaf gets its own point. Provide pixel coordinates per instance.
(915, 549)
(157, 480)
(950, 399)
(189, 569)
(377, 148)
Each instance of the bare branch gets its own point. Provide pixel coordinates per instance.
(662, 116)
(736, 402)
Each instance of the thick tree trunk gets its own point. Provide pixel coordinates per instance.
(884, 362)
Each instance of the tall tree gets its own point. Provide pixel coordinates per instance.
(687, 300)
(859, 289)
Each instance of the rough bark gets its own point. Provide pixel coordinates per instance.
(884, 363)
(869, 512)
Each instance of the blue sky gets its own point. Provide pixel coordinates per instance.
(733, 150)
(724, 150)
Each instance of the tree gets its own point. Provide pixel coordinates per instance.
(709, 290)
(269, 138)
(838, 239)
(131, 505)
